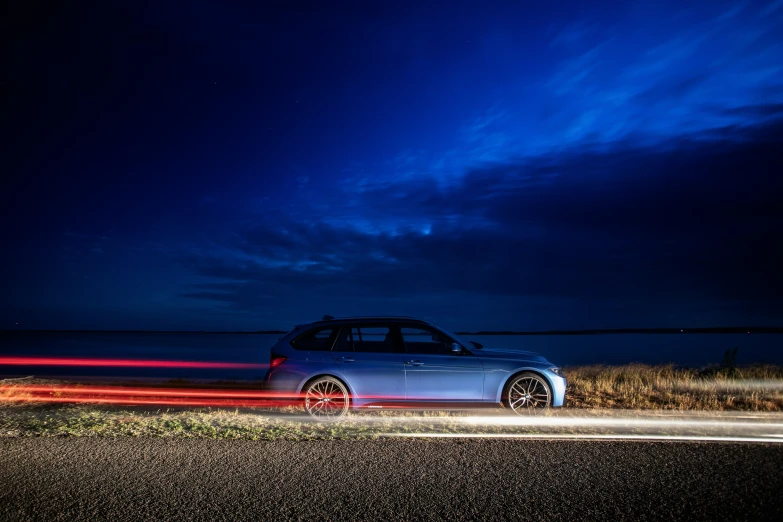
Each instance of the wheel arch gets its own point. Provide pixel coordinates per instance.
(515, 373)
(307, 381)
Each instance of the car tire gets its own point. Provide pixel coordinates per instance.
(527, 392)
(326, 398)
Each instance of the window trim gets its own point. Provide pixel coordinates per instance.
(339, 334)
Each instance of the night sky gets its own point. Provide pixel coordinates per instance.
(487, 165)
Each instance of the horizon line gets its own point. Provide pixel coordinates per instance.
(592, 331)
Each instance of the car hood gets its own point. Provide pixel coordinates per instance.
(522, 355)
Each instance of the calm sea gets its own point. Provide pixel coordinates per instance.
(683, 349)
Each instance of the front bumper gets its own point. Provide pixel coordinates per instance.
(558, 385)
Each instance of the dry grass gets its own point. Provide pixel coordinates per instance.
(667, 387)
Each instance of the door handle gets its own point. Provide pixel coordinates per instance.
(414, 363)
(347, 359)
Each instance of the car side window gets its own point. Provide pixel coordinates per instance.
(344, 342)
(369, 339)
(425, 342)
(315, 340)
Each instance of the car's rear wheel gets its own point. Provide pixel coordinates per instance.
(527, 392)
(326, 398)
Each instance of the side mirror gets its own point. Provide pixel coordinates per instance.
(456, 348)
(477, 345)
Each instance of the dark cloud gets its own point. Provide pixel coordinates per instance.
(686, 220)
(771, 110)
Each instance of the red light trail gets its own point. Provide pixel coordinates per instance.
(150, 396)
(137, 395)
(127, 363)
(154, 396)
(216, 403)
(172, 392)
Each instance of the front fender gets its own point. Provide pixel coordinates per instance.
(556, 383)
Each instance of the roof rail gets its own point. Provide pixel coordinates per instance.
(382, 317)
(371, 317)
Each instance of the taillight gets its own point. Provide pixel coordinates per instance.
(276, 360)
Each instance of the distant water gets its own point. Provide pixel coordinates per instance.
(684, 349)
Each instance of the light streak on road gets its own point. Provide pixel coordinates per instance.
(568, 421)
(682, 438)
(694, 426)
(127, 363)
(555, 424)
(197, 397)
(17, 392)
(158, 401)
(190, 397)
(144, 391)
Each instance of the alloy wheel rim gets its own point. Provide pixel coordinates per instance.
(528, 393)
(325, 399)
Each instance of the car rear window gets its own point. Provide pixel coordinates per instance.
(315, 340)
(369, 339)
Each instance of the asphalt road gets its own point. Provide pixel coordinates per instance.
(174, 479)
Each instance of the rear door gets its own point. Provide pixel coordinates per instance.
(370, 356)
(433, 372)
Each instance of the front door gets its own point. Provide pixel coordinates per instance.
(371, 359)
(433, 372)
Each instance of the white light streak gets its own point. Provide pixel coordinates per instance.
(737, 427)
(686, 438)
(608, 422)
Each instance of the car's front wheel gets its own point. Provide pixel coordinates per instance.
(527, 392)
(326, 398)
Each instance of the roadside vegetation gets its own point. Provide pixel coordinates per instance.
(592, 391)
(638, 386)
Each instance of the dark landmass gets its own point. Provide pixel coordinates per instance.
(719, 330)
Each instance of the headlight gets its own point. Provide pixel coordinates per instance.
(557, 371)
